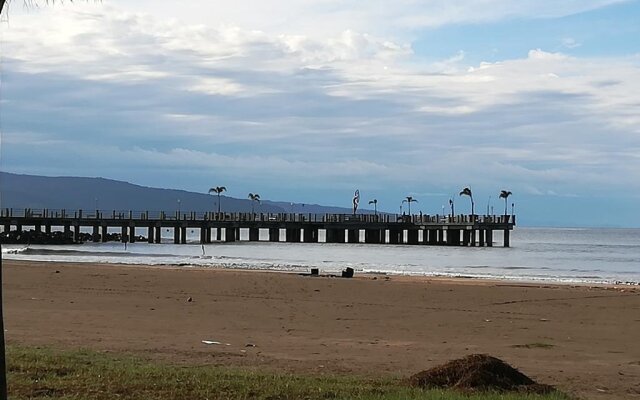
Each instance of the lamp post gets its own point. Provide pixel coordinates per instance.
(178, 208)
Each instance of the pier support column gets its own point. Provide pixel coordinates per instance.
(425, 236)
(329, 236)
(207, 233)
(466, 237)
(293, 235)
(67, 229)
(7, 228)
(310, 235)
(37, 228)
(489, 238)
(150, 233)
(96, 234)
(395, 236)
(412, 236)
(76, 233)
(183, 235)
(218, 234)
(132, 234)
(230, 234)
(453, 237)
(254, 234)
(440, 236)
(507, 233)
(353, 236)
(176, 235)
(481, 238)
(158, 234)
(373, 236)
(104, 234)
(124, 238)
(472, 239)
(274, 234)
(432, 237)
(335, 236)
(47, 229)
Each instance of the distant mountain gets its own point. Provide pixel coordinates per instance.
(77, 193)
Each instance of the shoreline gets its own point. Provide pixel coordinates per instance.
(582, 339)
(542, 282)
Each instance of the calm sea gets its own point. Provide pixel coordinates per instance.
(537, 254)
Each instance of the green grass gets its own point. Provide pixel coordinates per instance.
(42, 373)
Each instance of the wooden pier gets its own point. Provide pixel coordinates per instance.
(444, 230)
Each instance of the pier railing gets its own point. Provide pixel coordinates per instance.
(254, 217)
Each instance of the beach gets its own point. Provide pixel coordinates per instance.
(581, 338)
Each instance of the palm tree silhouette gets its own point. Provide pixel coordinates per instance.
(409, 200)
(375, 205)
(254, 197)
(504, 194)
(467, 192)
(217, 190)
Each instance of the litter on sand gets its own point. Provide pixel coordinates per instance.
(210, 342)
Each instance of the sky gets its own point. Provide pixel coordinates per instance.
(308, 100)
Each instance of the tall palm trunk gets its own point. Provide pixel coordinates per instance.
(218, 203)
(3, 360)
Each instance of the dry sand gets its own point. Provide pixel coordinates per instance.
(585, 340)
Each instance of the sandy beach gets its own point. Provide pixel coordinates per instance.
(584, 340)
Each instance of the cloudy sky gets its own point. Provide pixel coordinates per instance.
(308, 100)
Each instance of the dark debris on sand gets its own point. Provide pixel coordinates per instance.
(475, 373)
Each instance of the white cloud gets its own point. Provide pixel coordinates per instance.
(329, 17)
(348, 106)
(570, 43)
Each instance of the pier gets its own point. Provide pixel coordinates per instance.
(442, 230)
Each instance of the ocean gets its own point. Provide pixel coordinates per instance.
(564, 255)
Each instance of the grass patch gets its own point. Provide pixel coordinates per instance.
(41, 373)
(536, 345)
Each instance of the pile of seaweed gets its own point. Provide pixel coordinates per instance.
(476, 373)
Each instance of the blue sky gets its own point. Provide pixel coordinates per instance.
(308, 100)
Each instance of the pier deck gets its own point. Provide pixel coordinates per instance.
(456, 230)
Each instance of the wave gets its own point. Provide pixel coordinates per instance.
(14, 251)
(29, 251)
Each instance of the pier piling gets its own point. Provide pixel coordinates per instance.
(461, 230)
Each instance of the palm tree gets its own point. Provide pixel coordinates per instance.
(375, 205)
(467, 192)
(254, 197)
(217, 190)
(409, 200)
(504, 194)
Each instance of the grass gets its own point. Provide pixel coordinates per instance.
(43, 373)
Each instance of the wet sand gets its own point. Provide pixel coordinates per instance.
(585, 340)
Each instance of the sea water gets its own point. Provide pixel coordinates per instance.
(536, 254)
